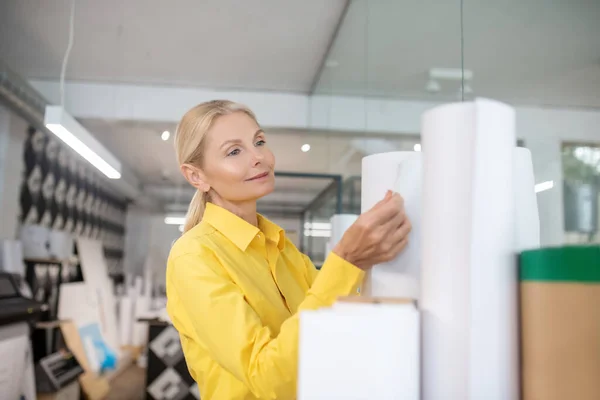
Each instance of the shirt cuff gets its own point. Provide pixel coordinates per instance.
(337, 278)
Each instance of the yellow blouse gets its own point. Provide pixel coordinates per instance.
(234, 292)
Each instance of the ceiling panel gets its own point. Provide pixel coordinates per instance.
(250, 44)
(525, 52)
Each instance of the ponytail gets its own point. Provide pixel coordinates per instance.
(195, 210)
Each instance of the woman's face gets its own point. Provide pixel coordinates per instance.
(237, 163)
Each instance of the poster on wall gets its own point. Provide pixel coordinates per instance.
(60, 191)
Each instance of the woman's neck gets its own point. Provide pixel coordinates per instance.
(244, 210)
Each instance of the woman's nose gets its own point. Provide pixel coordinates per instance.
(257, 156)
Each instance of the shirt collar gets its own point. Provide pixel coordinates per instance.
(240, 232)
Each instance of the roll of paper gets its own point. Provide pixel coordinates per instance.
(400, 171)
(126, 320)
(560, 349)
(339, 224)
(527, 219)
(468, 270)
(95, 274)
(140, 329)
(328, 248)
(11, 257)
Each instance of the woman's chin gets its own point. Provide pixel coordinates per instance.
(265, 189)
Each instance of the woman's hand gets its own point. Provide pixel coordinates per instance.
(378, 235)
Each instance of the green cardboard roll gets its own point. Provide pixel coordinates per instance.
(560, 323)
(563, 264)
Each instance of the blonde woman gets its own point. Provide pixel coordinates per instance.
(235, 283)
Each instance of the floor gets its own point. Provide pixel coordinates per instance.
(129, 385)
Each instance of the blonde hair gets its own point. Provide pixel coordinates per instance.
(189, 141)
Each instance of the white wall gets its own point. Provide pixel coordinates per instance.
(13, 132)
(544, 132)
(147, 235)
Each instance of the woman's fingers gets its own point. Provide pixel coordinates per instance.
(377, 235)
(394, 250)
(396, 240)
(393, 224)
(386, 210)
(402, 232)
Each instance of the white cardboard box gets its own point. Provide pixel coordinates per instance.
(360, 350)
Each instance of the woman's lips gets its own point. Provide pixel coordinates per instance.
(259, 176)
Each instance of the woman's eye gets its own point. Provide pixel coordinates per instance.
(261, 143)
(234, 152)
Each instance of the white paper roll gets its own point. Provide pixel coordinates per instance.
(400, 171)
(126, 320)
(468, 274)
(527, 219)
(95, 274)
(140, 329)
(328, 248)
(11, 257)
(339, 224)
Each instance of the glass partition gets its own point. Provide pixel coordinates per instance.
(393, 60)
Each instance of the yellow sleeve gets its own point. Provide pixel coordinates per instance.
(232, 332)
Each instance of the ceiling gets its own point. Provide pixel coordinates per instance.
(250, 44)
(524, 52)
(536, 52)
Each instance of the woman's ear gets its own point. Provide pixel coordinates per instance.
(195, 177)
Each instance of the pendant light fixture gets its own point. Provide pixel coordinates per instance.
(67, 129)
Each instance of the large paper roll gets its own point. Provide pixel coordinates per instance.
(399, 171)
(126, 320)
(468, 271)
(95, 275)
(339, 224)
(527, 219)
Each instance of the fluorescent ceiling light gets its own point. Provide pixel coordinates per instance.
(540, 187)
(67, 129)
(175, 220)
